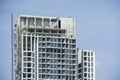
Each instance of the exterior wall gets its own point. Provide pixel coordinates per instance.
(44, 49)
(86, 68)
(69, 25)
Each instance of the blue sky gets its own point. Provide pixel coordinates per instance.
(98, 28)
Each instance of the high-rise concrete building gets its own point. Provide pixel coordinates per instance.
(45, 48)
(86, 65)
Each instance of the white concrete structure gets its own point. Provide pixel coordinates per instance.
(86, 65)
(45, 48)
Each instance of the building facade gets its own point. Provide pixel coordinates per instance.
(86, 65)
(45, 48)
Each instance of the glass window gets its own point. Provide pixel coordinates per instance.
(51, 66)
(51, 39)
(59, 45)
(29, 75)
(40, 55)
(67, 71)
(55, 76)
(40, 70)
(73, 51)
(88, 64)
(48, 71)
(88, 59)
(47, 76)
(43, 76)
(33, 54)
(40, 60)
(67, 66)
(48, 38)
(25, 70)
(51, 71)
(85, 53)
(79, 65)
(43, 44)
(29, 65)
(56, 39)
(51, 60)
(91, 58)
(91, 69)
(67, 46)
(24, 75)
(40, 44)
(29, 70)
(59, 39)
(25, 64)
(55, 61)
(39, 50)
(91, 53)
(33, 75)
(40, 65)
(91, 74)
(74, 61)
(79, 70)
(74, 56)
(88, 53)
(33, 65)
(55, 55)
(43, 70)
(39, 75)
(43, 39)
(43, 55)
(85, 69)
(33, 59)
(33, 70)
(73, 72)
(40, 39)
(85, 64)
(29, 54)
(85, 79)
(51, 76)
(58, 71)
(88, 69)
(43, 50)
(43, 65)
(55, 66)
(79, 75)
(55, 50)
(43, 60)
(25, 59)
(51, 55)
(63, 55)
(25, 54)
(48, 44)
(58, 50)
(73, 41)
(28, 59)
(66, 40)
(63, 40)
(73, 46)
(88, 75)
(85, 58)
(85, 74)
